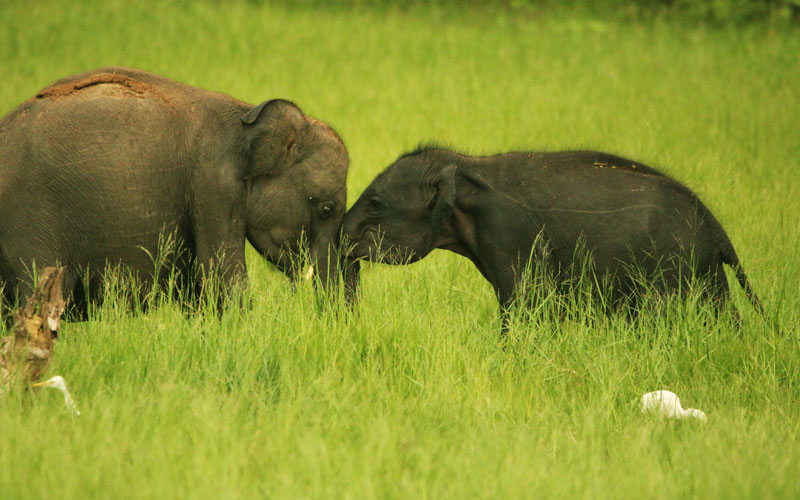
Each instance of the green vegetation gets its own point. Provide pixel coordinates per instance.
(413, 397)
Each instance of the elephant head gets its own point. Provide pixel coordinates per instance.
(296, 171)
(400, 216)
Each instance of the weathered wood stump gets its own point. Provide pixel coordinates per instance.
(26, 353)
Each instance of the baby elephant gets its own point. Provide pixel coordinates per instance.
(632, 224)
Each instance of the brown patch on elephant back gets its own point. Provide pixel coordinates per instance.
(128, 84)
(327, 129)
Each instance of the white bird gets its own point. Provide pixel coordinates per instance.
(57, 382)
(667, 404)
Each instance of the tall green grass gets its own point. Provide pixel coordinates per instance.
(412, 395)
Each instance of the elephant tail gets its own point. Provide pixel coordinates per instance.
(729, 257)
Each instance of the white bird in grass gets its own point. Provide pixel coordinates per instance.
(667, 404)
(57, 382)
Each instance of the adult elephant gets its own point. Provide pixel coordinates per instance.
(98, 166)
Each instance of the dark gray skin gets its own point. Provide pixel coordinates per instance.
(97, 166)
(632, 220)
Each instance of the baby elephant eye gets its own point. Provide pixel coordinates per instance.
(374, 203)
(327, 210)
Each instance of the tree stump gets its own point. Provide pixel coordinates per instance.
(26, 353)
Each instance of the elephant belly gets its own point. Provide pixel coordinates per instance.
(90, 244)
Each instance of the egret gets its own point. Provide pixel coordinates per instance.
(667, 404)
(57, 382)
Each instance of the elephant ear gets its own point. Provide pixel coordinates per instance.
(445, 184)
(272, 129)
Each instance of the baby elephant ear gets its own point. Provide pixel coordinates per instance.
(445, 184)
(272, 129)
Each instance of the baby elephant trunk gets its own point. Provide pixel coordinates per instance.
(350, 267)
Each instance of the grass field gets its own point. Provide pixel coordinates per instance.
(413, 396)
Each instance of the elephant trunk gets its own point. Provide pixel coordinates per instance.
(351, 272)
(350, 267)
(329, 260)
(323, 264)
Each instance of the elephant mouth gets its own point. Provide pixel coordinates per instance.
(363, 246)
(288, 260)
(285, 253)
(374, 247)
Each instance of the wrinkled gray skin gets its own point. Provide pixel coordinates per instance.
(98, 165)
(627, 217)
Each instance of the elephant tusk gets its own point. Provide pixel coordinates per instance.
(309, 273)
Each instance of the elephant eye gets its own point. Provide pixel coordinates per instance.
(374, 204)
(327, 210)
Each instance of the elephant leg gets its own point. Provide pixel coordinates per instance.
(717, 294)
(222, 268)
(218, 230)
(505, 297)
(220, 259)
